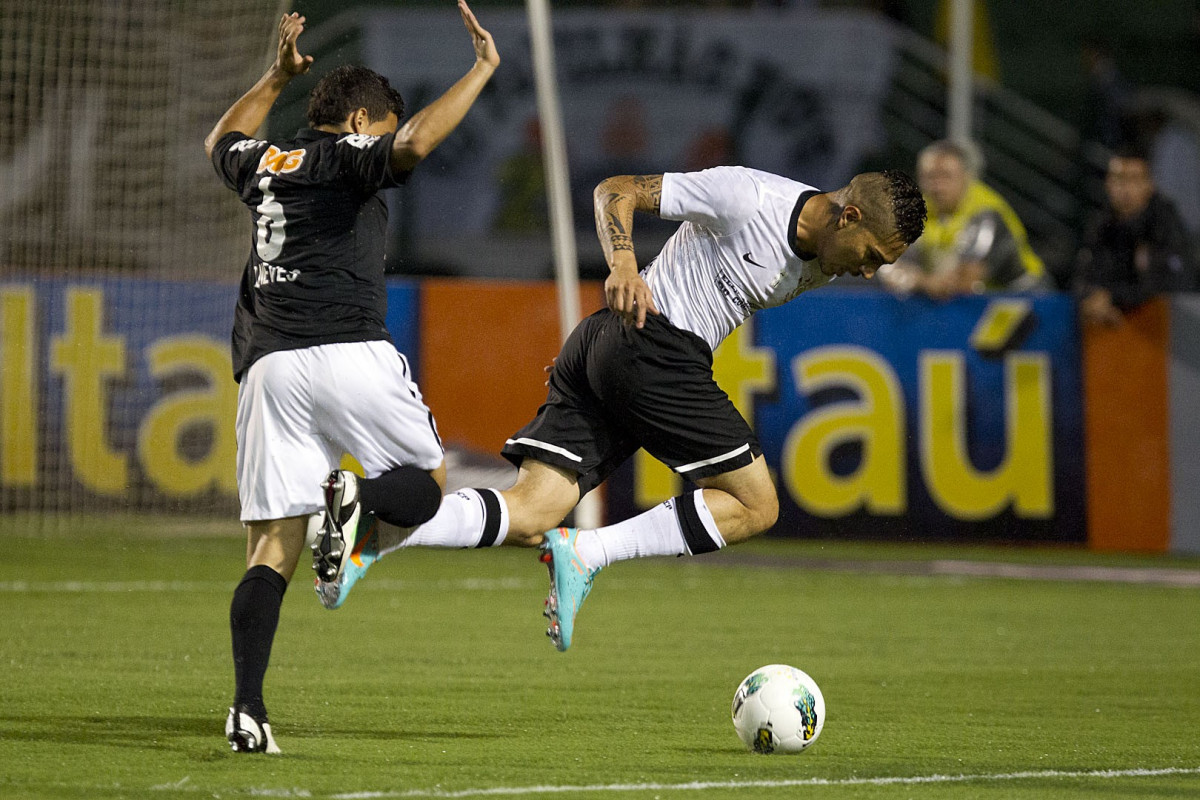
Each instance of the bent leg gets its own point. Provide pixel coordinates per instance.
(518, 516)
(539, 501)
(404, 496)
(743, 502)
(729, 508)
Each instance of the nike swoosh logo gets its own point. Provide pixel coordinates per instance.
(746, 257)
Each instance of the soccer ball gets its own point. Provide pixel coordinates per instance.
(778, 709)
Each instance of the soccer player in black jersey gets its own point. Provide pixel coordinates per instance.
(318, 373)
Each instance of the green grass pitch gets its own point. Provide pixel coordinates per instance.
(436, 680)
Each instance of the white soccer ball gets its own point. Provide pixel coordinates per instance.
(778, 709)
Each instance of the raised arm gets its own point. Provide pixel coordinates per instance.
(615, 199)
(250, 111)
(429, 126)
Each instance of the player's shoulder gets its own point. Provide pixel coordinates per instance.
(236, 142)
(728, 182)
(356, 141)
(779, 184)
(727, 175)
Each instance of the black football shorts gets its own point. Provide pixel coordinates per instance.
(615, 388)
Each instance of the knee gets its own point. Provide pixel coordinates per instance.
(422, 498)
(770, 513)
(762, 512)
(405, 496)
(542, 496)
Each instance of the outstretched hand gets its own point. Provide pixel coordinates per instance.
(287, 57)
(485, 48)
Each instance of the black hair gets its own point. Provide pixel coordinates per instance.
(889, 196)
(908, 206)
(346, 89)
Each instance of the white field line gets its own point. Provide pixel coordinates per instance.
(514, 791)
(504, 791)
(1142, 576)
(122, 587)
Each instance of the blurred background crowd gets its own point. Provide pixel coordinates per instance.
(1082, 171)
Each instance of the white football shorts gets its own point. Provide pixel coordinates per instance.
(299, 411)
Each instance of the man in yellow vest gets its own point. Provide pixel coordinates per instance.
(973, 240)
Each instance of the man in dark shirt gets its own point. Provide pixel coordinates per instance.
(318, 374)
(1138, 248)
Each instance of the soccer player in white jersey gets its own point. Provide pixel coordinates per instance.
(639, 372)
(318, 373)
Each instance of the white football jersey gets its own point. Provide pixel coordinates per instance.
(733, 254)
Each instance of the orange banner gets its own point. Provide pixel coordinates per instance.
(1126, 427)
(484, 348)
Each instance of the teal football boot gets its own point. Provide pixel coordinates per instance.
(570, 583)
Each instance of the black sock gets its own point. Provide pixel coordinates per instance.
(404, 496)
(253, 617)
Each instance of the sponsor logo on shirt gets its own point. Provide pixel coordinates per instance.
(728, 288)
(746, 257)
(276, 161)
(265, 273)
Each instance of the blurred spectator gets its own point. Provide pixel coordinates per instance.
(973, 240)
(1138, 248)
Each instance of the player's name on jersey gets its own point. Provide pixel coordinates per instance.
(265, 273)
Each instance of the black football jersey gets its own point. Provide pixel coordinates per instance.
(315, 272)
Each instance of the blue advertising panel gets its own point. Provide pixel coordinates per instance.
(122, 389)
(908, 418)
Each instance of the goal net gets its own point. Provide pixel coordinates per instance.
(119, 250)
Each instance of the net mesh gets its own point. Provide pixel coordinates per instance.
(105, 106)
(107, 204)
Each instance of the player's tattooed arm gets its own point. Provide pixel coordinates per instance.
(615, 200)
(648, 193)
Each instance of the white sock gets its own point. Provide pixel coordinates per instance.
(652, 533)
(461, 521)
(656, 532)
